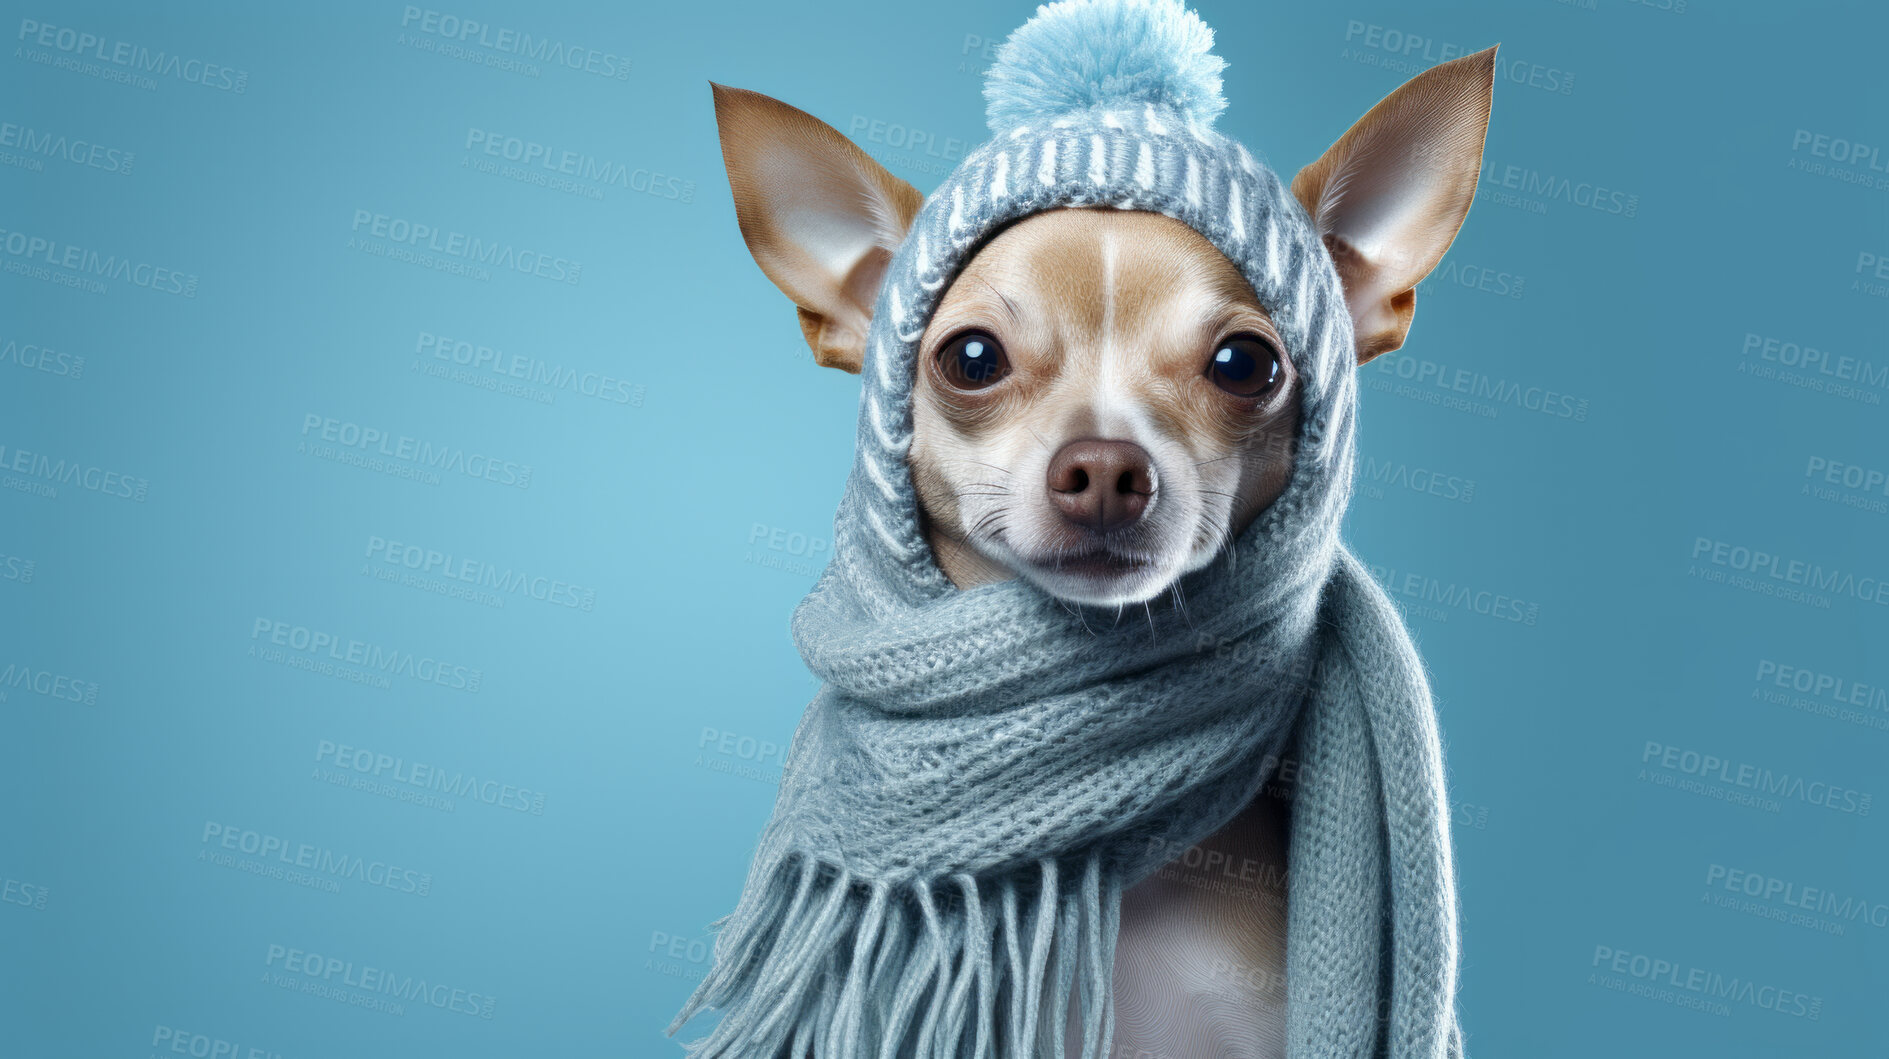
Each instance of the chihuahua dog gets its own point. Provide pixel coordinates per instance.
(1102, 405)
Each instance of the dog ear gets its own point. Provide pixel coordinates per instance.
(821, 218)
(1389, 196)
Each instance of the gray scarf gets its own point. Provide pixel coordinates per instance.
(985, 771)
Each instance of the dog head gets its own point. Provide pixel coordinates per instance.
(1101, 402)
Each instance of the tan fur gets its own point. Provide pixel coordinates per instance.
(1109, 319)
(821, 218)
(1389, 196)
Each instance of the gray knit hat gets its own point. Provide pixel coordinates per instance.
(1106, 104)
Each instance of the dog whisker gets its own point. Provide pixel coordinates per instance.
(1077, 611)
(980, 463)
(1039, 438)
(1180, 602)
(982, 522)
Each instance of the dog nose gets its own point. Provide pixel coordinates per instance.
(1101, 484)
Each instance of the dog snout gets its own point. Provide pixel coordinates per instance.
(1101, 484)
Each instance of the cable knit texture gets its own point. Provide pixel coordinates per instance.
(984, 771)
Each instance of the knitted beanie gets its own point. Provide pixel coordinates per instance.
(1105, 103)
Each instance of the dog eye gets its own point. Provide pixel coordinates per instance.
(973, 361)
(1246, 366)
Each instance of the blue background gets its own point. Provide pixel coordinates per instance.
(625, 731)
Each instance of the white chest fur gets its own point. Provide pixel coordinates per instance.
(1200, 961)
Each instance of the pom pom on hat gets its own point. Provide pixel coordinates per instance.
(1077, 54)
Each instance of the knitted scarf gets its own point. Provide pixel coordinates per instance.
(984, 771)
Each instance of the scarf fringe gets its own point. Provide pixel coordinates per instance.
(824, 964)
